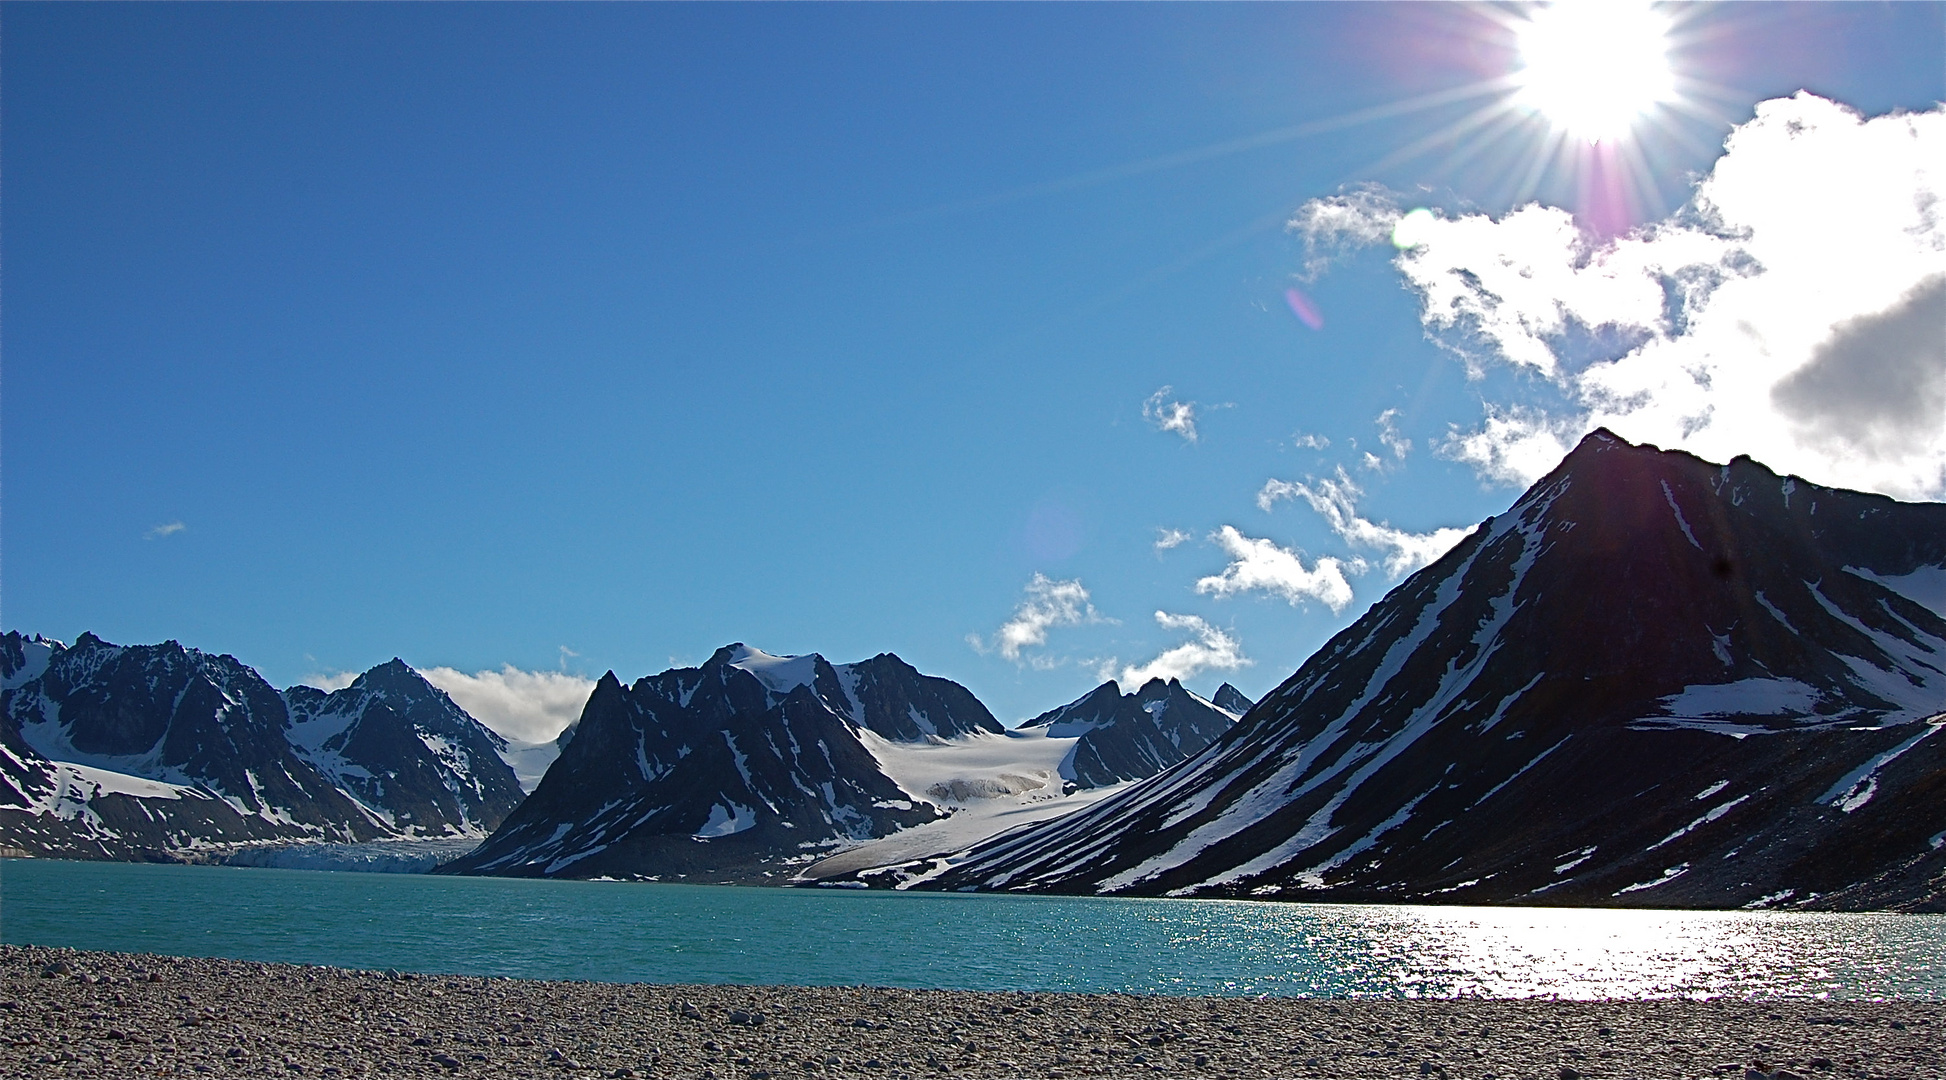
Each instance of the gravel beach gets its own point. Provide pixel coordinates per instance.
(71, 1013)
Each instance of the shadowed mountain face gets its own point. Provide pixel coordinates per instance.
(1231, 700)
(1127, 737)
(153, 751)
(1654, 681)
(401, 747)
(738, 770)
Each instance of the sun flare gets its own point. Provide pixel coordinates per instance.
(1595, 67)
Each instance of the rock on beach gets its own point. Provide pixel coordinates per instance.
(70, 1013)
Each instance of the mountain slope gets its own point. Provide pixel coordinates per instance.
(1653, 681)
(164, 752)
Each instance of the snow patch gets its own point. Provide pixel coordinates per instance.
(1925, 586)
(35, 655)
(1714, 814)
(1745, 697)
(779, 674)
(1668, 876)
(1857, 787)
(1680, 520)
(726, 818)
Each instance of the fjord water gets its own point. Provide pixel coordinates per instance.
(627, 932)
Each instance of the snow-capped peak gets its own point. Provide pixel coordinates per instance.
(779, 674)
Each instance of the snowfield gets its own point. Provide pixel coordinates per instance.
(986, 783)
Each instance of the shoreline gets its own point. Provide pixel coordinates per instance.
(77, 1013)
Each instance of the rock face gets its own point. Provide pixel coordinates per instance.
(1654, 681)
(733, 771)
(1130, 736)
(162, 752)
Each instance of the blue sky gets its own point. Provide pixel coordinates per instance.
(586, 337)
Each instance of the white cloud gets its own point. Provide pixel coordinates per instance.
(329, 681)
(1389, 437)
(1176, 416)
(1335, 227)
(1516, 445)
(170, 529)
(1170, 538)
(1209, 648)
(1309, 442)
(1794, 310)
(524, 706)
(1049, 604)
(1262, 565)
(1337, 502)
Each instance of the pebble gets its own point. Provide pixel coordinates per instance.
(71, 1013)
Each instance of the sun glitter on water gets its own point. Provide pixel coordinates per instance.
(1595, 67)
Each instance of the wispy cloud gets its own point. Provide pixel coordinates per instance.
(1389, 437)
(1208, 647)
(1792, 310)
(525, 706)
(160, 531)
(1336, 500)
(1260, 565)
(1309, 442)
(1049, 604)
(1170, 538)
(1165, 415)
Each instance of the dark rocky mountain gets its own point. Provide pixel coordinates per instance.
(1654, 681)
(133, 752)
(1130, 736)
(1231, 700)
(733, 771)
(165, 752)
(399, 745)
(890, 697)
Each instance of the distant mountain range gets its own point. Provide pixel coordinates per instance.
(1654, 681)
(164, 752)
(753, 766)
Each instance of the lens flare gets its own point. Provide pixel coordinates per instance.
(1594, 68)
(1304, 309)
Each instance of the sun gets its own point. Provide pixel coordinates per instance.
(1594, 68)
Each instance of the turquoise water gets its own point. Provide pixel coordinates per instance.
(618, 932)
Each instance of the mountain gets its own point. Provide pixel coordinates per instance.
(1130, 736)
(732, 771)
(401, 747)
(1654, 681)
(166, 752)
